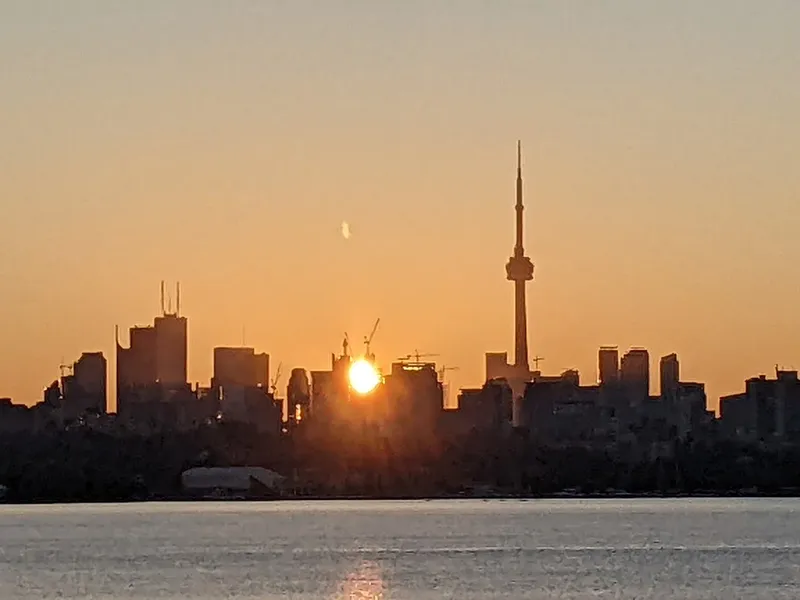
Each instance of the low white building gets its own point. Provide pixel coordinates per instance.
(232, 480)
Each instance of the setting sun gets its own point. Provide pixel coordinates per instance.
(363, 376)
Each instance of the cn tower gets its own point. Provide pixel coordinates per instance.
(519, 269)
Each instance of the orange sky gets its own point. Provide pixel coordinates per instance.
(225, 146)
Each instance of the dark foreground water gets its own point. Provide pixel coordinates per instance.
(404, 550)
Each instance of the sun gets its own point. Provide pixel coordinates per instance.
(364, 377)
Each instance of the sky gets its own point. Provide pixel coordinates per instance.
(224, 144)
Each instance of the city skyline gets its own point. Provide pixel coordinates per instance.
(661, 216)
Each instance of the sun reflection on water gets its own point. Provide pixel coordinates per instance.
(364, 583)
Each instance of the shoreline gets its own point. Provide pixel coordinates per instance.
(743, 495)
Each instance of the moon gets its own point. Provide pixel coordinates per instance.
(346, 230)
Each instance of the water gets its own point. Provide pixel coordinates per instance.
(565, 549)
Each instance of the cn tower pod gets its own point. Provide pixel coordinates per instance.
(519, 268)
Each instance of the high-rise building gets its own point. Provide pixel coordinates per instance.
(298, 396)
(136, 365)
(322, 392)
(86, 389)
(497, 366)
(635, 374)
(669, 369)
(240, 366)
(155, 362)
(608, 364)
(415, 395)
(171, 351)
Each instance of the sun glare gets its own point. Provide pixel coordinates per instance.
(364, 377)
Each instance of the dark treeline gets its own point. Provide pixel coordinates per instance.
(84, 465)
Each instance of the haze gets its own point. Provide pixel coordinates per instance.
(224, 144)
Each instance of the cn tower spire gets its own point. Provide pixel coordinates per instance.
(518, 247)
(519, 269)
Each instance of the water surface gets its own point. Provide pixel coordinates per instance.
(542, 549)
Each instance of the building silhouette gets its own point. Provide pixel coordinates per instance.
(85, 390)
(488, 408)
(330, 390)
(154, 366)
(635, 375)
(298, 396)
(240, 384)
(415, 396)
(768, 409)
(669, 370)
(608, 365)
(240, 366)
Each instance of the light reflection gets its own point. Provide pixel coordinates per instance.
(364, 583)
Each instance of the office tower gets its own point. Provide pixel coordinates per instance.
(155, 361)
(298, 396)
(608, 364)
(669, 369)
(171, 344)
(88, 385)
(240, 366)
(635, 375)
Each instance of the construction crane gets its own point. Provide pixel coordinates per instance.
(65, 368)
(274, 382)
(345, 345)
(368, 340)
(416, 356)
(444, 370)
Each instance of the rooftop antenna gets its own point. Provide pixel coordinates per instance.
(163, 305)
(178, 298)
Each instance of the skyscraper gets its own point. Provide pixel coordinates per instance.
(669, 369)
(171, 350)
(240, 367)
(156, 360)
(171, 343)
(608, 364)
(635, 375)
(298, 396)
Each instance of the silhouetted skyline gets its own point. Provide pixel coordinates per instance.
(224, 148)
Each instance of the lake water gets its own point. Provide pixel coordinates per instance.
(544, 549)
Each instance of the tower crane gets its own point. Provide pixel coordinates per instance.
(274, 382)
(345, 345)
(444, 370)
(416, 356)
(368, 340)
